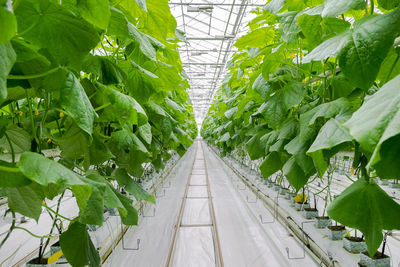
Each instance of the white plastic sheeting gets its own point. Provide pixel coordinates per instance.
(244, 241)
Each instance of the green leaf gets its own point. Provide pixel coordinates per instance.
(107, 71)
(261, 86)
(49, 25)
(362, 49)
(110, 196)
(19, 138)
(294, 173)
(74, 143)
(292, 94)
(8, 58)
(332, 134)
(275, 6)
(96, 12)
(9, 21)
(365, 206)
(126, 108)
(124, 180)
(271, 164)
(77, 246)
(142, 4)
(376, 127)
(120, 27)
(258, 38)
(273, 111)
(145, 133)
(311, 28)
(26, 200)
(330, 47)
(369, 44)
(256, 148)
(93, 212)
(12, 179)
(333, 8)
(127, 140)
(389, 4)
(46, 172)
(75, 101)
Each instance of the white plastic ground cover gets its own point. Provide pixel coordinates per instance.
(320, 236)
(244, 240)
(155, 233)
(194, 247)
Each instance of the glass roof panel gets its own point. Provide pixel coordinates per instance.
(211, 28)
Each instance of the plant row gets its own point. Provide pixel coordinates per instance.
(311, 79)
(99, 84)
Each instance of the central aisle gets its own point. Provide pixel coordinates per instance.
(205, 220)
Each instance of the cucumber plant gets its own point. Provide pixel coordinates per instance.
(101, 82)
(310, 79)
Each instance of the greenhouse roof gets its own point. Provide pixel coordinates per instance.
(211, 28)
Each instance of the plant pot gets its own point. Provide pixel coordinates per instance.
(36, 263)
(301, 206)
(336, 232)
(384, 182)
(354, 244)
(323, 222)
(270, 184)
(310, 213)
(283, 191)
(379, 260)
(292, 202)
(55, 248)
(290, 195)
(393, 185)
(277, 187)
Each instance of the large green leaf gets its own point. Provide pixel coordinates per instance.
(19, 138)
(258, 38)
(107, 71)
(8, 58)
(12, 179)
(8, 20)
(120, 27)
(77, 246)
(26, 200)
(127, 140)
(333, 8)
(274, 6)
(295, 175)
(96, 12)
(145, 133)
(273, 111)
(365, 206)
(255, 147)
(74, 143)
(126, 108)
(332, 134)
(47, 172)
(124, 180)
(271, 164)
(292, 94)
(49, 25)
(389, 4)
(261, 86)
(362, 49)
(376, 127)
(75, 101)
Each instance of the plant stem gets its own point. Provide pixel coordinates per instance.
(11, 147)
(31, 115)
(32, 76)
(54, 220)
(12, 227)
(56, 213)
(372, 6)
(9, 169)
(32, 234)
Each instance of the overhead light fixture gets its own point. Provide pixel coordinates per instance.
(205, 8)
(226, 36)
(198, 53)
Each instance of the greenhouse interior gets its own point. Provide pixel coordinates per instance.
(196, 133)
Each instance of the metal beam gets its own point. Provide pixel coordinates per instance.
(211, 38)
(211, 4)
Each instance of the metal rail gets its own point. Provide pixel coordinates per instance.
(178, 225)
